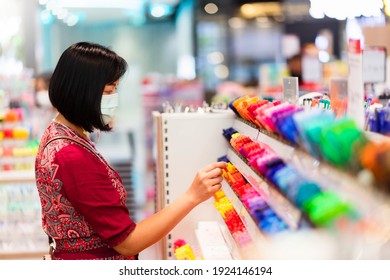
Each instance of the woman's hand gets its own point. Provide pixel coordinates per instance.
(206, 182)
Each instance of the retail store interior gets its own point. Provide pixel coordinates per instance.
(313, 186)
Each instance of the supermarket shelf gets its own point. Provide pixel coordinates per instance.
(22, 256)
(376, 137)
(17, 176)
(258, 238)
(357, 189)
(291, 215)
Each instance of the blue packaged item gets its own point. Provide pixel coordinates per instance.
(306, 191)
(273, 166)
(227, 133)
(310, 124)
(287, 128)
(273, 224)
(386, 121)
(282, 176)
(233, 108)
(373, 124)
(223, 158)
(293, 186)
(380, 117)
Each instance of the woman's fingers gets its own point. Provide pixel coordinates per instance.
(215, 165)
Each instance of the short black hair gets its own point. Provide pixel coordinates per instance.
(78, 81)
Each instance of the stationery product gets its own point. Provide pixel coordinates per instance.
(286, 127)
(375, 157)
(183, 251)
(341, 143)
(311, 131)
(325, 208)
(304, 118)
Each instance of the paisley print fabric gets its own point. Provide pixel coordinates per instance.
(83, 199)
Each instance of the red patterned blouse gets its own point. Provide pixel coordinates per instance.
(83, 199)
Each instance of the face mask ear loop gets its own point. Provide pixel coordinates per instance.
(95, 137)
(98, 136)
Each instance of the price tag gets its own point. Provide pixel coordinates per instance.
(311, 69)
(290, 90)
(374, 65)
(355, 107)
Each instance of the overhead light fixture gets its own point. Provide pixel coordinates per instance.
(53, 8)
(330, 8)
(254, 10)
(118, 4)
(211, 8)
(387, 7)
(160, 10)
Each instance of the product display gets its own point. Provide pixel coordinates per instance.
(337, 141)
(290, 171)
(21, 234)
(299, 96)
(183, 251)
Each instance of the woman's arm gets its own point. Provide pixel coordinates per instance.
(149, 231)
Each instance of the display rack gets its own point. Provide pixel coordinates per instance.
(351, 187)
(186, 142)
(21, 233)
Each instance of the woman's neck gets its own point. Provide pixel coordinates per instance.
(79, 130)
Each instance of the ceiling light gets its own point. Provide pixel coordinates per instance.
(121, 4)
(236, 22)
(261, 9)
(354, 8)
(221, 71)
(71, 20)
(160, 10)
(215, 58)
(211, 8)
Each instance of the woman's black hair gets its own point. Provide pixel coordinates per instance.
(78, 81)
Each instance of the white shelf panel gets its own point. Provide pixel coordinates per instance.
(17, 176)
(280, 204)
(186, 142)
(245, 129)
(212, 242)
(253, 229)
(257, 237)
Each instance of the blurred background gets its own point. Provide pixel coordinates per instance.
(178, 51)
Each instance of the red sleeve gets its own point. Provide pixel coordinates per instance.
(87, 185)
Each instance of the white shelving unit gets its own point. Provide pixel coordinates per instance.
(186, 142)
(21, 234)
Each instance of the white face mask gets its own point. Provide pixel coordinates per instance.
(109, 107)
(43, 99)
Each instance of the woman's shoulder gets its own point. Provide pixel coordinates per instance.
(61, 140)
(55, 129)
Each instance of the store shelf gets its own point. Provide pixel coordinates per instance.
(253, 248)
(214, 242)
(17, 176)
(187, 142)
(23, 256)
(291, 215)
(357, 189)
(184, 143)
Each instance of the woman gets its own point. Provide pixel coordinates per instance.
(82, 197)
(43, 110)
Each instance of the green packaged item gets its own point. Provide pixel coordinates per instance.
(312, 131)
(325, 207)
(342, 142)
